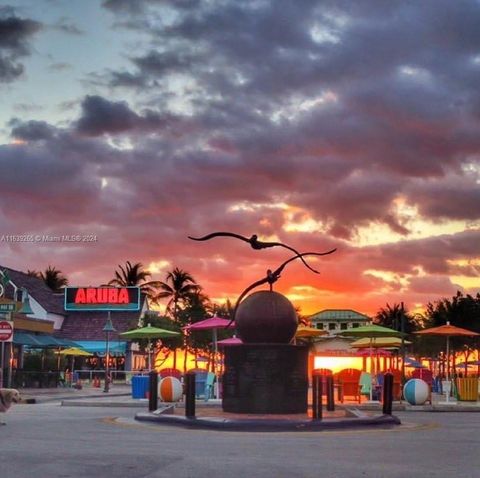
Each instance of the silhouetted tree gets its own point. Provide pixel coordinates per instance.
(54, 279)
(134, 275)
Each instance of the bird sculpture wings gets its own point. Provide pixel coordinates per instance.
(272, 277)
(257, 245)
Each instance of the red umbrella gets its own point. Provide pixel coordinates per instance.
(230, 341)
(213, 323)
(379, 352)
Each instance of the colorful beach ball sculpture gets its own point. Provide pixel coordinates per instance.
(416, 391)
(170, 389)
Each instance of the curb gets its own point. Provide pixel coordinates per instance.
(274, 425)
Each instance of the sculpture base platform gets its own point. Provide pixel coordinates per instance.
(265, 378)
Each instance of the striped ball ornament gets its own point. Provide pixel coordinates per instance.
(416, 391)
(170, 389)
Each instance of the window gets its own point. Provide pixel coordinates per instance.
(332, 326)
(355, 325)
(343, 326)
(320, 326)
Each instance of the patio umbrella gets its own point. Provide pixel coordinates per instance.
(148, 333)
(447, 331)
(472, 363)
(371, 331)
(231, 341)
(306, 332)
(409, 362)
(379, 352)
(74, 352)
(212, 323)
(379, 342)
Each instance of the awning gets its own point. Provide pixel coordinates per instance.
(41, 341)
(115, 347)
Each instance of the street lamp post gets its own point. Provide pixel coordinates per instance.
(107, 329)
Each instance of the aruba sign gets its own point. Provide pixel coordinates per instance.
(102, 298)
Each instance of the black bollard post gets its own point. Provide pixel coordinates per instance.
(317, 392)
(153, 391)
(330, 397)
(190, 395)
(387, 393)
(320, 398)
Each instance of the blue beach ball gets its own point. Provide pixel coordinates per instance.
(416, 391)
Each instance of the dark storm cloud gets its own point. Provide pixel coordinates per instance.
(139, 6)
(100, 116)
(31, 130)
(15, 36)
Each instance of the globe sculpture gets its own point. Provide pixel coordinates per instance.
(416, 391)
(170, 389)
(267, 373)
(266, 317)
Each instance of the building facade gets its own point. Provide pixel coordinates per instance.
(335, 321)
(49, 325)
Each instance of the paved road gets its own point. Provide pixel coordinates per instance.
(50, 441)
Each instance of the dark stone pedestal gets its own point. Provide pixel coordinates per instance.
(265, 378)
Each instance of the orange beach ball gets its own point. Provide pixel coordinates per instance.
(170, 389)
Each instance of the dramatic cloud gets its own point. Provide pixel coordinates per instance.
(15, 36)
(345, 124)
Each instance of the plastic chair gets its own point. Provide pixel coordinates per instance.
(208, 392)
(365, 383)
(170, 372)
(348, 379)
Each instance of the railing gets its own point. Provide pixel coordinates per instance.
(116, 376)
(35, 379)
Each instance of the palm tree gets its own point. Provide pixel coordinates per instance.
(177, 288)
(391, 317)
(34, 273)
(54, 279)
(133, 276)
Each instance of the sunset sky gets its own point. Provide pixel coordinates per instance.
(344, 124)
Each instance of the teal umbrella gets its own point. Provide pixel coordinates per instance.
(148, 333)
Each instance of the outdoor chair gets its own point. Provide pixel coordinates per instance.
(365, 384)
(397, 383)
(427, 376)
(208, 393)
(170, 372)
(348, 380)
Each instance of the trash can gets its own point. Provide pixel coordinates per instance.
(467, 389)
(140, 386)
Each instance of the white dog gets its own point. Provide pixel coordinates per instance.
(7, 397)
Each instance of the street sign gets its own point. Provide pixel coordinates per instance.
(6, 331)
(8, 307)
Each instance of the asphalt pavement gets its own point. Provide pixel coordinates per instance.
(53, 441)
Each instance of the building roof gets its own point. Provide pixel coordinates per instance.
(81, 325)
(50, 301)
(85, 325)
(339, 315)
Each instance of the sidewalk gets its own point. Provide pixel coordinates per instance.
(42, 395)
(121, 396)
